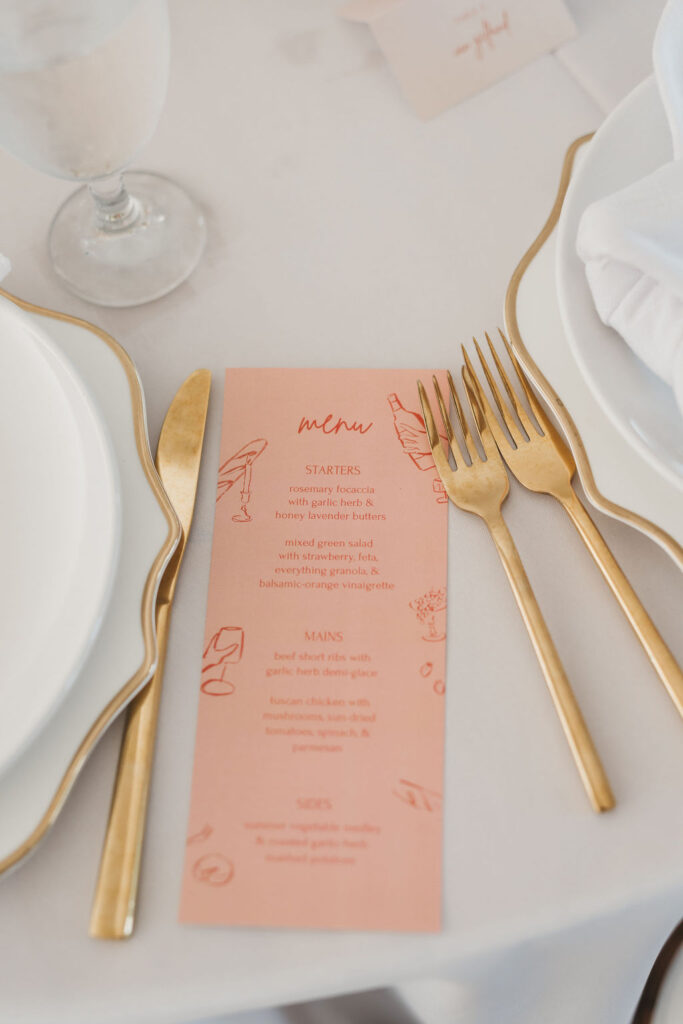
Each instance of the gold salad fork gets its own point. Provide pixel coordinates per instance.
(541, 461)
(480, 488)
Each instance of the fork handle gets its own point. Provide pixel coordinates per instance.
(583, 750)
(662, 659)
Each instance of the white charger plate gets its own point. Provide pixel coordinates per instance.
(123, 656)
(632, 142)
(616, 477)
(60, 523)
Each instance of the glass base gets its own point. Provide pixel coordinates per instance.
(130, 264)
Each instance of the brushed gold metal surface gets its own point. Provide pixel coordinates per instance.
(542, 462)
(179, 454)
(178, 460)
(670, 545)
(64, 784)
(481, 488)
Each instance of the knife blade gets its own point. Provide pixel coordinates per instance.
(178, 460)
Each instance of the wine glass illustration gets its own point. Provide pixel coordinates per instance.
(82, 87)
(225, 647)
(217, 685)
(239, 468)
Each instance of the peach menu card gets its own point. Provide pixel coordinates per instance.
(316, 796)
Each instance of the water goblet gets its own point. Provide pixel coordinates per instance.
(82, 87)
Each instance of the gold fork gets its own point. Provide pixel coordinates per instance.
(481, 488)
(541, 461)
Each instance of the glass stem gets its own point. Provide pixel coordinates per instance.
(115, 208)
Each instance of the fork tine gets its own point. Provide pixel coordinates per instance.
(439, 455)
(474, 395)
(536, 407)
(446, 421)
(499, 434)
(522, 414)
(505, 414)
(470, 446)
(427, 416)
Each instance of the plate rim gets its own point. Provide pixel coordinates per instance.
(660, 536)
(655, 459)
(148, 603)
(60, 364)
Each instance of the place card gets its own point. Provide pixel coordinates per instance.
(317, 787)
(444, 50)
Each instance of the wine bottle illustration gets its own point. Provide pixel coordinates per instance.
(217, 686)
(410, 430)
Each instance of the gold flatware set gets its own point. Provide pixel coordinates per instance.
(179, 454)
(532, 449)
(519, 438)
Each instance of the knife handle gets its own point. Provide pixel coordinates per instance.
(114, 903)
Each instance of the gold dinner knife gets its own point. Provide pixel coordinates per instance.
(178, 458)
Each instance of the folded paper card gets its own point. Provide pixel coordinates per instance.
(316, 797)
(444, 50)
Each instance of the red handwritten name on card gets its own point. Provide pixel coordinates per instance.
(442, 51)
(316, 796)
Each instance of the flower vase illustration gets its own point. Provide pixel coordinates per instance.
(224, 648)
(239, 468)
(426, 609)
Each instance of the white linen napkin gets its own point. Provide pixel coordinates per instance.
(632, 241)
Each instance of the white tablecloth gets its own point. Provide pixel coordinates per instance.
(342, 231)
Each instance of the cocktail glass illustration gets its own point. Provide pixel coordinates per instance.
(239, 468)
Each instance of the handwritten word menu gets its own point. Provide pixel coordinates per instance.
(317, 788)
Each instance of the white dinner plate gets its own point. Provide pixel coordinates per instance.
(616, 477)
(59, 523)
(123, 655)
(634, 141)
